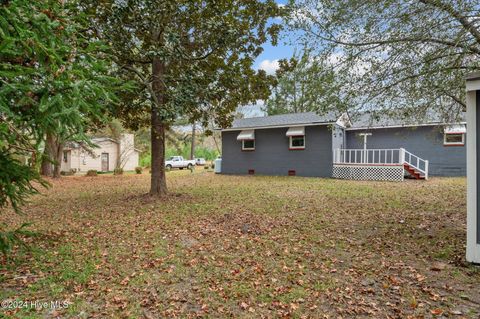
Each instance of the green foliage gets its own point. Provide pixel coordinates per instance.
(407, 56)
(206, 153)
(303, 84)
(118, 171)
(190, 59)
(9, 238)
(15, 181)
(145, 159)
(205, 53)
(53, 81)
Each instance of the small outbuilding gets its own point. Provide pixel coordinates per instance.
(108, 155)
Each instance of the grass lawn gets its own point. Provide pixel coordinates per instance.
(251, 247)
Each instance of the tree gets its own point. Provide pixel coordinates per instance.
(49, 83)
(302, 84)
(78, 90)
(192, 146)
(402, 55)
(186, 56)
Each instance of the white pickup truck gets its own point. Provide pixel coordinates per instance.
(179, 162)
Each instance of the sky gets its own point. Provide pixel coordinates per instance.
(268, 61)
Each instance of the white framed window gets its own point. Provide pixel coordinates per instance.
(297, 142)
(454, 139)
(248, 140)
(454, 135)
(296, 138)
(248, 145)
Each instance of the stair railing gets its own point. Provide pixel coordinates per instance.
(381, 157)
(368, 156)
(414, 161)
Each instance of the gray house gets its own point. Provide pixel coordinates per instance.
(307, 144)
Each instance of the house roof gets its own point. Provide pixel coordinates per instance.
(283, 120)
(70, 145)
(95, 140)
(103, 139)
(369, 120)
(364, 120)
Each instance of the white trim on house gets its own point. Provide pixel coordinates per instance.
(401, 126)
(248, 148)
(473, 248)
(296, 131)
(246, 135)
(473, 85)
(274, 126)
(446, 136)
(455, 129)
(290, 143)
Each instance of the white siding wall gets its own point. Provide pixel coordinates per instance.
(66, 166)
(132, 161)
(82, 161)
(128, 154)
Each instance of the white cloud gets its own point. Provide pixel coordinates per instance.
(252, 110)
(269, 66)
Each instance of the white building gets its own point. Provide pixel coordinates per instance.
(106, 157)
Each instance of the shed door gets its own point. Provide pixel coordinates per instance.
(105, 162)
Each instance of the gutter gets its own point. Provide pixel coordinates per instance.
(272, 126)
(401, 126)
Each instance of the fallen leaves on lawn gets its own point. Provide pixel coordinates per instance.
(255, 247)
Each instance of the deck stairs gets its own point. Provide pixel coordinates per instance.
(415, 166)
(379, 164)
(413, 172)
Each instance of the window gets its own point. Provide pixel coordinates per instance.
(297, 142)
(454, 135)
(248, 140)
(65, 156)
(454, 139)
(296, 137)
(248, 145)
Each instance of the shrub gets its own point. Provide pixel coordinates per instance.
(118, 171)
(92, 172)
(69, 173)
(145, 160)
(138, 170)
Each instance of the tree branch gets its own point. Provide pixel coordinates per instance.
(467, 25)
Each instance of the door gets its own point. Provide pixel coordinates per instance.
(176, 162)
(104, 162)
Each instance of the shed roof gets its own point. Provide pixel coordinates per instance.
(283, 120)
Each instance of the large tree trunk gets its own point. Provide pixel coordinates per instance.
(58, 160)
(192, 150)
(48, 156)
(158, 186)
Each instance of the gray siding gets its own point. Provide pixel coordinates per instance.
(272, 156)
(424, 141)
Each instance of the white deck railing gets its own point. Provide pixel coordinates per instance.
(383, 157)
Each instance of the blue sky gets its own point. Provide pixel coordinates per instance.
(271, 54)
(268, 61)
